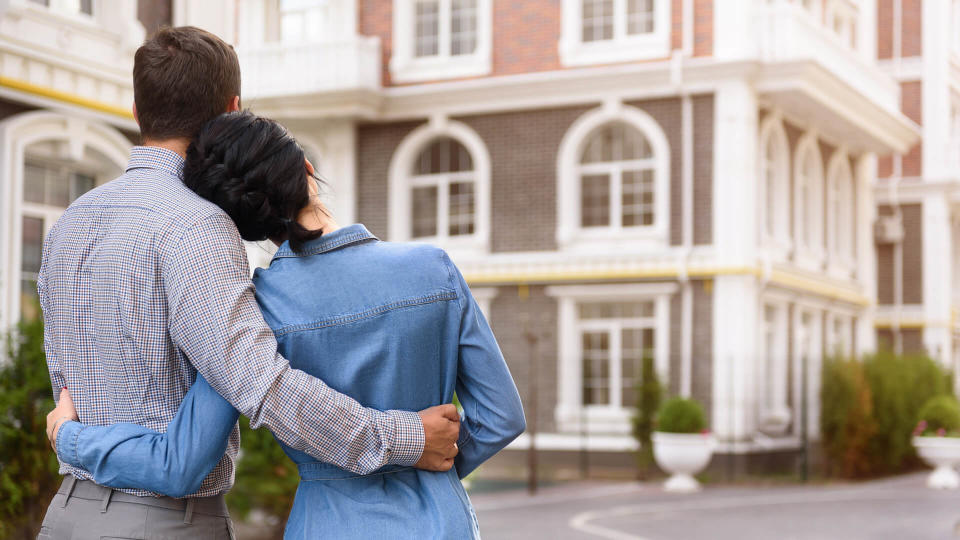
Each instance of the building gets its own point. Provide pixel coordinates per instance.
(615, 178)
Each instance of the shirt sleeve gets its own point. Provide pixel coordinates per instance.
(214, 319)
(57, 380)
(492, 412)
(174, 463)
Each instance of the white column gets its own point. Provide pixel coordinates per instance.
(338, 166)
(936, 91)
(937, 276)
(864, 175)
(215, 16)
(730, 40)
(735, 299)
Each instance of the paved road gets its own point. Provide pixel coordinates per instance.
(897, 509)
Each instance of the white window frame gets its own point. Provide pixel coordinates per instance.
(406, 67)
(774, 412)
(842, 224)
(772, 132)
(808, 226)
(842, 344)
(571, 415)
(18, 133)
(570, 234)
(401, 186)
(622, 48)
(848, 15)
(812, 338)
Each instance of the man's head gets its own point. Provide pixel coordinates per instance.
(183, 77)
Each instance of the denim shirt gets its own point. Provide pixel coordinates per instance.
(406, 334)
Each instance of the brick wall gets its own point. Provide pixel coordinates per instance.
(525, 36)
(702, 387)
(911, 339)
(667, 113)
(375, 146)
(506, 311)
(884, 29)
(703, 28)
(912, 253)
(703, 169)
(523, 150)
(911, 103)
(375, 18)
(912, 32)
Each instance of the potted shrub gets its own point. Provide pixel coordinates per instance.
(937, 440)
(682, 446)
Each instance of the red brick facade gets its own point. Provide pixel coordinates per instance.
(703, 28)
(911, 103)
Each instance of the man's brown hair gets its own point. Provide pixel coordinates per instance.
(182, 78)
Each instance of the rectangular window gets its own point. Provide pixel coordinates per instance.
(427, 34)
(425, 211)
(53, 185)
(595, 200)
(597, 20)
(463, 27)
(638, 189)
(461, 208)
(639, 17)
(32, 249)
(596, 368)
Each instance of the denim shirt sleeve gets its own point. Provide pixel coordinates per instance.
(492, 412)
(173, 463)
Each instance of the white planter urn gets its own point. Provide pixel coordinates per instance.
(943, 453)
(682, 455)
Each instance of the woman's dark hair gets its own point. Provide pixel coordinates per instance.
(254, 170)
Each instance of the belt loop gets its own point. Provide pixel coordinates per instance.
(188, 514)
(106, 501)
(71, 481)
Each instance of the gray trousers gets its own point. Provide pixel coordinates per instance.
(82, 510)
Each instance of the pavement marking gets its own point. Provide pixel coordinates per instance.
(581, 522)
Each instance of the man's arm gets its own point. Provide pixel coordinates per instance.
(215, 321)
(125, 455)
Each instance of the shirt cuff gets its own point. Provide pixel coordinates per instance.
(67, 437)
(408, 438)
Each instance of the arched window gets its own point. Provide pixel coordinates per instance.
(808, 198)
(613, 178)
(841, 211)
(53, 160)
(440, 188)
(774, 182)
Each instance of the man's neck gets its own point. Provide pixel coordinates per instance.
(178, 146)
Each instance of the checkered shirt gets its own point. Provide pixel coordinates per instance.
(143, 283)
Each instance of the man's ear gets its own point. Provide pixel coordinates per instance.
(135, 117)
(234, 105)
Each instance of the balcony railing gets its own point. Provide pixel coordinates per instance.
(282, 69)
(789, 32)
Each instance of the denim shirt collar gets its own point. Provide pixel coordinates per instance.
(346, 236)
(154, 157)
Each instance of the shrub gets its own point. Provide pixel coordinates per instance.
(679, 415)
(900, 385)
(846, 417)
(648, 400)
(28, 466)
(940, 416)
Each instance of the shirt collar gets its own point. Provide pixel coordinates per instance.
(346, 236)
(154, 157)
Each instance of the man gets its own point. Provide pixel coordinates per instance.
(144, 284)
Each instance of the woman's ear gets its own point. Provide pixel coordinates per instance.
(310, 170)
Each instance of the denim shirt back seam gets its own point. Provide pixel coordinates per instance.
(353, 317)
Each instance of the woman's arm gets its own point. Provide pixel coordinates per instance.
(173, 463)
(492, 413)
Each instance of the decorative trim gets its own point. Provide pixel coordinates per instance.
(65, 97)
(623, 47)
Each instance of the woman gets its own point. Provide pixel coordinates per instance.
(398, 329)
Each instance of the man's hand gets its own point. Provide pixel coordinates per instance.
(441, 427)
(63, 412)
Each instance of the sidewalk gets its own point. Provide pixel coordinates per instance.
(899, 508)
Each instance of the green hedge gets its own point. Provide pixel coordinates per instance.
(649, 393)
(28, 466)
(679, 415)
(869, 410)
(940, 416)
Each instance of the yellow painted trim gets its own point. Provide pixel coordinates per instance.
(904, 325)
(43, 91)
(783, 279)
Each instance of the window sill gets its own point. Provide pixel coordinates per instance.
(577, 53)
(458, 248)
(594, 419)
(409, 70)
(603, 240)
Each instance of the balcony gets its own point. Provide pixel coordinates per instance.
(312, 78)
(810, 72)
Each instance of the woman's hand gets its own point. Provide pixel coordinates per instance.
(63, 412)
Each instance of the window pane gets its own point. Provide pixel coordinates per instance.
(443, 155)
(463, 24)
(32, 243)
(595, 200)
(638, 197)
(596, 368)
(616, 142)
(82, 183)
(58, 189)
(34, 183)
(639, 16)
(427, 28)
(42, 2)
(597, 20)
(86, 6)
(461, 208)
(424, 211)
